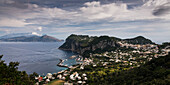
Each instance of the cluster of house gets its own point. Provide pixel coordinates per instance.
(86, 61)
(166, 49)
(45, 79)
(137, 46)
(129, 58)
(81, 78)
(76, 77)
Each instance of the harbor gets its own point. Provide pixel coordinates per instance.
(60, 64)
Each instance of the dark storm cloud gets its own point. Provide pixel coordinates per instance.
(13, 3)
(161, 11)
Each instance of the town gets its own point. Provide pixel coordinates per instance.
(128, 56)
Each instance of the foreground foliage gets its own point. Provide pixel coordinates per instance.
(10, 75)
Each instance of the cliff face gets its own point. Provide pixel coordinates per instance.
(74, 43)
(83, 43)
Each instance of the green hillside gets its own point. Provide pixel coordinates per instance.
(154, 72)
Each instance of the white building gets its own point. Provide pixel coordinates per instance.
(84, 75)
(59, 76)
(79, 82)
(85, 78)
(49, 75)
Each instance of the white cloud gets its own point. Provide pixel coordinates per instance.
(35, 33)
(4, 31)
(7, 1)
(120, 11)
(39, 29)
(57, 19)
(155, 3)
(92, 4)
(95, 11)
(91, 12)
(12, 22)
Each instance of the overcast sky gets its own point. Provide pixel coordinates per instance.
(60, 18)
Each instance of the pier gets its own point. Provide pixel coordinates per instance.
(60, 64)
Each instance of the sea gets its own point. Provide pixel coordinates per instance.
(39, 57)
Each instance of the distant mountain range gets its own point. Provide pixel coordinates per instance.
(28, 37)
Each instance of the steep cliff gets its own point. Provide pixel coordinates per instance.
(83, 44)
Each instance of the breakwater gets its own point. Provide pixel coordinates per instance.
(60, 64)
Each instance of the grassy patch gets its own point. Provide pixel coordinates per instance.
(56, 82)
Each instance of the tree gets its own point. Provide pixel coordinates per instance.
(9, 74)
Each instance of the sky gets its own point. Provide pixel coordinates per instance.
(60, 18)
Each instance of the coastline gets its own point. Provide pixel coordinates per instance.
(60, 64)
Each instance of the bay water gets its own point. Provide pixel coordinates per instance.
(39, 57)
